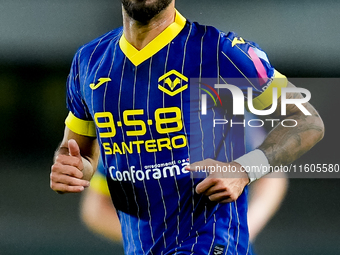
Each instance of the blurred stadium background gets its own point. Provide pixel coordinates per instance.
(37, 41)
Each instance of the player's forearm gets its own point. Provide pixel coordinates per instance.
(99, 215)
(266, 195)
(284, 145)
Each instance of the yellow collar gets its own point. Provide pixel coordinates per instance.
(139, 56)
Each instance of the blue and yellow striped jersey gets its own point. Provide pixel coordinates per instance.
(144, 107)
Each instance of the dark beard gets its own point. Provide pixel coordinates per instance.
(139, 11)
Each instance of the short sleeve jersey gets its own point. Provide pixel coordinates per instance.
(145, 109)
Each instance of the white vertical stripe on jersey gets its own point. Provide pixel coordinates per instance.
(248, 248)
(218, 58)
(235, 203)
(183, 65)
(101, 61)
(183, 117)
(193, 245)
(238, 69)
(172, 155)
(127, 160)
(214, 114)
(104, 97)
(214, 233)
(200, 92)
(133, 188)
(238, 227)
(166, 63)
(95, 76)
(192, 181)
(88, 64)
(200, 120)
(231, 217)
(83, 103)
(199, 114)
(122, 215)
(218, 75)
(232, 150)
(155, 157)
(225, 117)
(141, 166)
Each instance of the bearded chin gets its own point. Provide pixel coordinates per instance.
(143, 13)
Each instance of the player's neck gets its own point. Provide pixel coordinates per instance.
(139, 35)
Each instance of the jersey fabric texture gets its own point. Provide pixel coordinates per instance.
(146, 114)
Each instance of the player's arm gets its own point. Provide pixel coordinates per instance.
(97, 210)
(74, 163)
(266, 196)
(281, 147)
(284, 145)
(99, 214)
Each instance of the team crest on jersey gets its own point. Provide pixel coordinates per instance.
(173, 83)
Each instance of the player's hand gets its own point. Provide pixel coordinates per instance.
(225, 182)
(66, 172)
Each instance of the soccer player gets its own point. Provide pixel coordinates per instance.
(130, 91)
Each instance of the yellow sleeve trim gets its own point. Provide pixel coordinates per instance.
(265, 99)
(99, 184)
(79, 126)
(139, 56)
